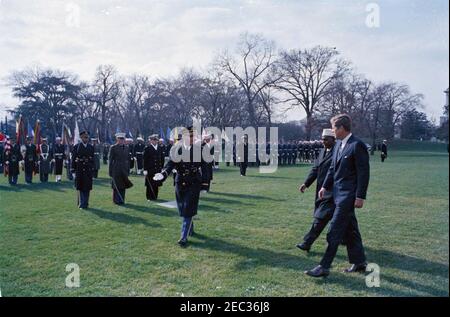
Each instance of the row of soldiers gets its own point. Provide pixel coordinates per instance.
(43, 159)
(190, 176)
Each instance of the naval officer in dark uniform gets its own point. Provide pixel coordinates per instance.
(153, 163)
(58, 154)
(83, 169)
(208, 167)
(324, 208)
(119, 169)
(188, 164)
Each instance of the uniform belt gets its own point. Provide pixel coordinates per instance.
(139, 152)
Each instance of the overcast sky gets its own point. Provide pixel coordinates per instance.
(158, 37)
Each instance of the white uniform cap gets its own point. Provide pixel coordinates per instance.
(328, 132)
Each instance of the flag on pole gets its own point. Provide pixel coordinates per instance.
(76, 134)
(168, 133)
(6, 125)
(20, 131)
(161, 133)
(66, 135)
(37, 136)
(30, 132)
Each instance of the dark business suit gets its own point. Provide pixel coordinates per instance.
(324, 208)
(348, 177)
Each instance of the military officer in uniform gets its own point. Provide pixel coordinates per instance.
(187, 183)
(139, 154)
(131, 158)
(30, 160)
(83, 169)
(69, 149)
(324, 208)
(44, 161)
(153, 162)
(208, 167)
(97, 152)
(119, 169)
(105, 153)
(383, 151)
(12, 159)
(59, 156)
(243, 157)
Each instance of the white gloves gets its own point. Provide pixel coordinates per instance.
(145, 173)
(158, 177)
(73, 175)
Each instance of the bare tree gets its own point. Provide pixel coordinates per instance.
(305, 76)
(251, 68)
(106, 90)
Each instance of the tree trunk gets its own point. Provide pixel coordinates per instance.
(308, 126)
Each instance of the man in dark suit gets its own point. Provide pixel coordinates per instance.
(187, 160)
(153, 163)
(348, 177)
(119, 169)
(384, 150)
(324, 208)
(83, 169)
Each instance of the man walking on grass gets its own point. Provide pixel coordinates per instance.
(348, 177)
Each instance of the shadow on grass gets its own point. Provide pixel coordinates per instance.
(392, 260)
(37, 186)
(254, 257)
(245, 196)
(225, 201)
(151, 209)
(268, 176)
(207, 208)
(120, 217)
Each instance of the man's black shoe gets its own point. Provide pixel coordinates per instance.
(356, 268)
(318, 271)
(304, 247)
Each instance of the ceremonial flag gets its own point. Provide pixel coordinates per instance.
(6, 125)
(2, 137)
(129, 135)
(76, 134)
(30, 131)
(161, 133)
(37, 136)
(66, 135)
(20, 131)
(168, 133)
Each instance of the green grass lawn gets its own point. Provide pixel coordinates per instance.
(248, 229)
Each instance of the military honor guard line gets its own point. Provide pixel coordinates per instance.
(340, 169)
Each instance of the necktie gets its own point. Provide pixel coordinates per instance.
(341, 149)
